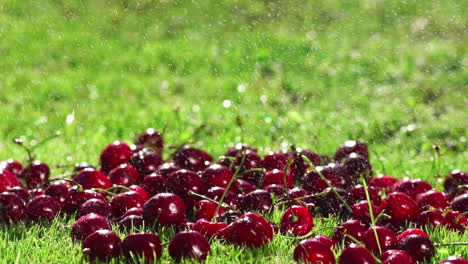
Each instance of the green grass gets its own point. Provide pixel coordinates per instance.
(312, 73)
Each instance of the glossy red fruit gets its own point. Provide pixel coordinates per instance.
(22, 193)
(411, 231)
(12, 165)
(141, 191)
(164, 209)
(419, 247)
(432, 199)
(313, 251)
(400, 206)
(122, 202)
(329, 242)
(12, 209)
(182, 181)
(146, 161)
(230, 216)
(91, 178)
(349, 147)
(154, 184)
(42, 207)
(241, 186)
(151, 138)
(274, 160)
(356, 165)
(460, 203)
(386, 237)
(206, 209)
(208, 228)
(296, 220)
(130, 221)
(88, 224)
(142, 245)
(330, 204)
(430, 218)
(96, 206)
(454, 180)
(215, 193)
(299, 165)
(258, 200)
(454, 260)
(412, 187)
(361, 211)
(275, 189)
(311, 181)
(189, 245)
(124, 174)
(383, 182)
(192, 159)
(216, 175)
(250, 229)
(277, 177)
(7, 180)
(102, 245)
(455, 221)
(115, 154)
(355, 254)
(80, 197)
(395, 256)
(166, 169)
(60, 191)
(35, 174)
(358, 193)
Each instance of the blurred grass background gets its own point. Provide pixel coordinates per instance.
(313, 73)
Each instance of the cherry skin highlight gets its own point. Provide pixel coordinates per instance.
(297, 220)
(313, 251)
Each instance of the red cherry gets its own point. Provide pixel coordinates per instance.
(400, 206)
(349, 147)
(91, 178)
(313, 251)
(297, 220)
(361, 211)
(455, 222)
(312, 181)
(151, 138)
(12, 165)
(124, 174)
(80, 197)
(141, 191)
(215, 193)
(103, 245)
(88, 224)
(355, 254)
(454, 180)
(7, 180)
(115, 154)
(258, 200)
(432, 199)
(36, 174)
(354, 166)
(395, 256)
(230, 216)
(299, 165)
(274, 160)
(96, 206)
(182, 181)
(412, 187)
(22, 193)
(275, 189)
(206, 210)
(387, 239)
(146, 161)
(189, 245)
(12, 209)
(60, 191)
(130, 221)
(207, 228)
(142, 245)
(358, 193)
(217, 175)
(154, 184)
(242, 187)
(164, 209)
(432, 218)
(411, 231)
(460, 203)
(454, 260)
(419, 247)
(42, 207)
(122, 202)
(192, 159)
(277, 177)
(166, 169)
(383, 182)
(329, 242)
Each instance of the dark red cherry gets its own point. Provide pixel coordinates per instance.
(229, 216)
(275, 189)
(430, 218)
(454, 180)
(460, 203)
(35, 174)
(296, 220)
(208, 228)
(329, 242)
(182, 181)
(386, 237)
(146, 161)
(22, 193)
(313, 251)
(60, 191)
(12, 165)
(241, 186)
(81, 166)
(382, 182)
(432, 199)
(349, 147)
(115, 154)
(192, 159)
(330, 204)
(164, 209)
(142, 245)
(167, 168)
(252, 161)
(92, 178)
(7, 180)
(88, 224)
(133, 211)
(42, 207)
(102, 245)
(154, 184)
(217, 175)
(130, 221)
(412, 187)
(358, 193)
(215, 193)
(79, 197)
(311, 181)
(189, 245)
(124, 174)
(124, 201)
(258, 200)
(355, 254)
(419, 247)
(277, 177)
(12, 209)
(352, 228)
(299, 165)
(141, 191)
(395, 256)
(354, 166)
(361, 211)
(250, 229)
(274, 160)
(206, 210)
(455, 221)
(454, 260)
(411, 231)
(96, 206)
(151, 138)
(400, 206)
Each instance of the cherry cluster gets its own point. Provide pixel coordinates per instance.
(232, 198)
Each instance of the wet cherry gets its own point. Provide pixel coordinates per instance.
(419, 247)
(87, 224)
(102, 245)
(142, 245)
(313, 251)
(189, 245)
(164, 208)
(296, 220)
(115, 154)
(42, 207)
(192, 159)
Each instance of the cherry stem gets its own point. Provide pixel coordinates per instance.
(20, 143)
(311, 233)
(460, 216)
(371, 213)
(240, 124)
(116, 187)
(225, 206)
(285, 174)
(253, 170)
(45, 140)
(451, 244)
(226, 190)
(80, 187)
(346, 205)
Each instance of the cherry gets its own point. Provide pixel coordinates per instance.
(151, 138)
(215, 193)
(141, 191)
(356, 165)
(42, 207)
(387, 239)
(127, 222)
(454, 260)
(454, 224)
(124, 201)
(250, 229)
(146, 161)
(82, 166)
(207, 228)
(275, 189)
(349, 147)
(217, 175)
(12, 209)
(297, 220)
(35, 174)
(361, 211)
(277, 177)
(124, 174)
(355, 254)
(192, 159)
(133, 211)
(455, 179)
(241, 186)
(299, 165)
(432, 199)
(102, 245)
(411, 231)
(115, 154)
(311, 181)
(252, 161)
(460, 203)
(330, 204)
(182, 181)
(229, 216)
(238, 150)
(12, 165)
(79, 197)
(274, 160)
(313, 251)
(382, 182)
(22, 193)
(167, 168)
(353, 228)
(189, 245)
(432, 218)
(206, 210)
(419, 247)
(358, 193)
(400, 206)
(258, 200)
(60, 191)
(142, 245)
(96, 206)
(395, 256)
(412, 187)
(154, 184)
(164, 209)
(91, 178)
(7, 180)
(329, 242)
(87, 224)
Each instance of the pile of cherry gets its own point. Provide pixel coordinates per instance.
(201, 199)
